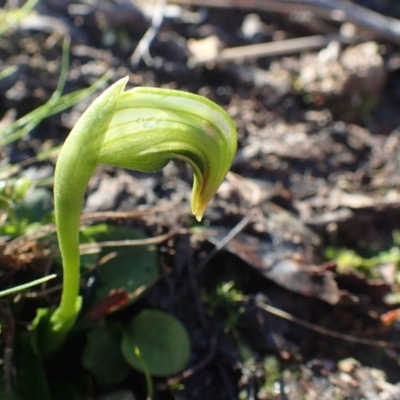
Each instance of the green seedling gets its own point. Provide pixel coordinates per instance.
(10, 18)
(226, 300)
(23, 207)
(350, 260)
(57, 103)
(140, 129)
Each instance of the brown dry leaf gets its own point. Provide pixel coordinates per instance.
(305, 279)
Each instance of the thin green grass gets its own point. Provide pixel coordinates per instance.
(54, 105)
(57, 103)
(10, 18)
(8, 71)
(146, 372)
(20, 288)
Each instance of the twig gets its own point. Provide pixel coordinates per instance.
(267, 5)
(102, 215)
(324, 331)
(46, 230)
(224, 241)
(339, 10)
(91, 248)
(268, 49)
(386, 27)
(188, 288)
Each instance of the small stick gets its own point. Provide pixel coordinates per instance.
(90, 248)
(45, 230)
(337, 10)
(268, 49)
(225, 240)
(324, 331)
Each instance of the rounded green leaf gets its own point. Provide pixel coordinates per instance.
(132, 267)
(102, 355)
(162, 341)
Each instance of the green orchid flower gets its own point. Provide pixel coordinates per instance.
(140, 129)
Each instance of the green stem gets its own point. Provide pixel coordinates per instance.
(68, 206)
(75, 166)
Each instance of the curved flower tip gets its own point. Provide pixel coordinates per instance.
(217, 156)
(150, 126)
(198, 210)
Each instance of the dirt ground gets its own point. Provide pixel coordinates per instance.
(317, 170)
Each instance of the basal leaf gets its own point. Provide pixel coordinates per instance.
(102, 355)
(162, 341)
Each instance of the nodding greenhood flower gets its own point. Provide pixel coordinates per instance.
(140, 129)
